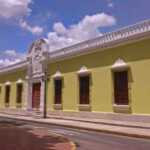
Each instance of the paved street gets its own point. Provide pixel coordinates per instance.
(15, 136)
(89, 140)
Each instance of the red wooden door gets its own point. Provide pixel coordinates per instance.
(58, 91)
(36, 95)
(7, 94)
(121, 88)
(19, 93)
(84, 90)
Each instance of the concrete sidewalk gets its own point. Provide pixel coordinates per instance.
(132, 129)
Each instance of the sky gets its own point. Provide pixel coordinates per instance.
(62, 22)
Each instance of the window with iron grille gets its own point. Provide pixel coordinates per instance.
(7, 94)
(84, 89)
(121, 88)
(19, 93)
(58, 92)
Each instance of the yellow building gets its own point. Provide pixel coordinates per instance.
(102, 77)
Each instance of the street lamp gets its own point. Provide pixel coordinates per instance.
(45, 78)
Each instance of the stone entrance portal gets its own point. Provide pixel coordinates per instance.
(34, 84)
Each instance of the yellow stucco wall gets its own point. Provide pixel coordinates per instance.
(12, 78)
(137, 55)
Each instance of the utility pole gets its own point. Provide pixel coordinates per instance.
(45, 78)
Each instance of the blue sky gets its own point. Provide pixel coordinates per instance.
(62, 22)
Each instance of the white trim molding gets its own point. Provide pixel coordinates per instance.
(57, 75)
(57, 106)
(119, 65)
(6, 104)
(121, 107)
(15, 67)
(84, 106)
(83, 71)
(19, 81)
(133, 33)
(7, 83)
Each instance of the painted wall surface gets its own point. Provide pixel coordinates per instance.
(12, 78)
(137, 55)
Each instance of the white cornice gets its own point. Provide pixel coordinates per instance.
(116, 38)
(120, 37)
(15, 67)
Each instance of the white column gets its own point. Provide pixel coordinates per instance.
(42, 96)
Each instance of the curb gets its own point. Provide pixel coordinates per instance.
(104, 123)
(85, 128)
(72, 144)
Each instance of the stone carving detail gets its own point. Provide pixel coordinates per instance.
(42, 96)
(35, 71)
(26, 97)
(37, 56)
(38, 43)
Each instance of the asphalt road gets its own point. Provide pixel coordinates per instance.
(89, 140)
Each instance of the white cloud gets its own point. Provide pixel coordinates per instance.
(7, 62)
(36, 30)
(10, 52)
(87, 28)
(14, 55)
(11, 57)
(14, 8)
(110, 4)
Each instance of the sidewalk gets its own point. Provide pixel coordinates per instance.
(132, 129)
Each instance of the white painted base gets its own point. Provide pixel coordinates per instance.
(57, 106)
(84, 107)
(121, 107)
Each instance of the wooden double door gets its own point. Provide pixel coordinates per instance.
(36, 90)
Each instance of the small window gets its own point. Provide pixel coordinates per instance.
(84, 89)
(7, 94)
(121, 88)
(58, 92)
(19, 93)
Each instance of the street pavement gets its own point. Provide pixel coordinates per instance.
(18, 137)
(82, 139)
(132, 129)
